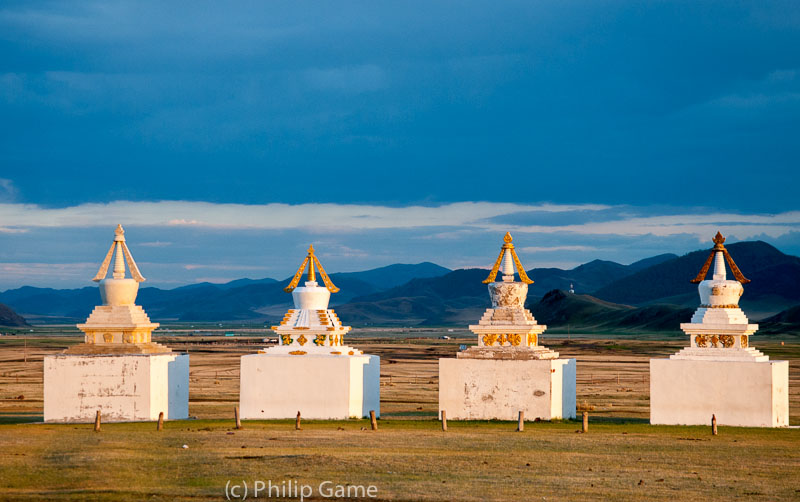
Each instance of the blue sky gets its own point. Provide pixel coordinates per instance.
(227, 136)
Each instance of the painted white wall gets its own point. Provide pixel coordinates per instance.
(747, 393)
(319, 386)
(131, 387)
(484, 389)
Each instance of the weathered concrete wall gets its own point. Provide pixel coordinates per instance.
(319, 386)
(740, 393)
(123, 387)
(480, 389)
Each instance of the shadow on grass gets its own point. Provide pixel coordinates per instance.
(20, 418)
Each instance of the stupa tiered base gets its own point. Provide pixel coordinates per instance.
(118, 370)
(124, 387)
(498, 389)
(719, 373)
(508, 371)
(320, 385)
(311, 371)
(688, 391)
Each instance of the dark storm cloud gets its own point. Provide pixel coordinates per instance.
(608, 102)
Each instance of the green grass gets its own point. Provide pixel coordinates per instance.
(406, 460)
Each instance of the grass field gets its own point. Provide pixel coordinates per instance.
(409, 457)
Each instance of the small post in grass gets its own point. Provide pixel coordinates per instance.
(297, 422)
(444, 421)
(97, 422)
(713, 425)
(585, 427)
(160, 426)
(521, 424)
(237, 418)
(372, 420)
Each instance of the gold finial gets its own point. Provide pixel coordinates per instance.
(719, 247)
(122, 253)
(311, 260)
(312, 277)
(508, 247)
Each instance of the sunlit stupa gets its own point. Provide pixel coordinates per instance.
(311, 370)
(508, 371)
(719, 373)
(118, 370)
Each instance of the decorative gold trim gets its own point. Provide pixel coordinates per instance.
(514, 339)
(729, 306)
(298, 352)
(302, 339)
(714, 341)
(319, 340)
(744, 341)
(286, 339)
(489, 339)
(311, 260)
(701, 340)
(719, 247)
(336, 352)
(727, 341)
(508, 246)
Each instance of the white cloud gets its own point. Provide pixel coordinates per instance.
(548, 249)
(268, 216)
(8, 192)
(441, 222)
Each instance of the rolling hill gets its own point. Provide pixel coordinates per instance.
(242, 299)
(774, 277)
(10, 318)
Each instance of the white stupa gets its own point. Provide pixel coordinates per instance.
(508, 371)
(118, 369)
(311, 370)
(719, 373)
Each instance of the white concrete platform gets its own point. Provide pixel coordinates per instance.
(319, 386)
(739, 393)
(485, 389)
(125, 388)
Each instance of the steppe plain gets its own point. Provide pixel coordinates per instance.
(408, 457)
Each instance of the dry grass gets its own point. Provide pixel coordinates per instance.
(406, 459)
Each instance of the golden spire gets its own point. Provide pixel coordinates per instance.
(311, 260)
(123, 253)
(719, 247)
(508, 247)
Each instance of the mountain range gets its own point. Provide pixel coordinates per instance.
(651, 294)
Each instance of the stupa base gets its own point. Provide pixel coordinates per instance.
(319, 386)
(738, 393)
(487, 389)
(124, 387)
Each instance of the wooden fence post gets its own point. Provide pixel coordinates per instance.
(97, 422)
(297, 422)
(160, 426)
(237, 418)
(713, 425)
(372, 420)
(585, 427)
(444, 421)
(521, 424)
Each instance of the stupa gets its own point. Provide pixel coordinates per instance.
(508, 371)
(311, 370)
(719, 373)
(117, 370)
